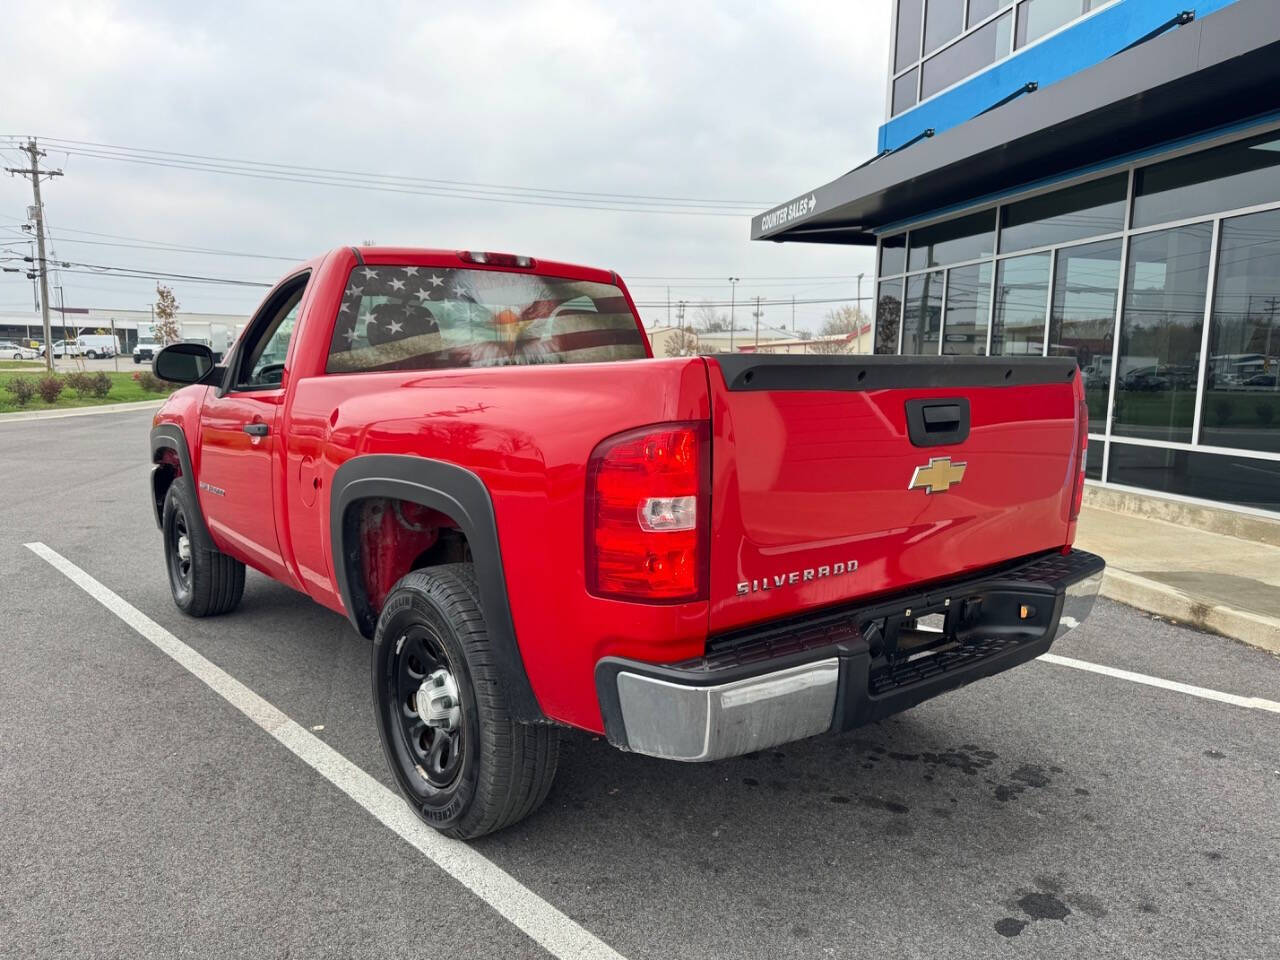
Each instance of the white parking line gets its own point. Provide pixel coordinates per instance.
(555, 932)
(1253, 703)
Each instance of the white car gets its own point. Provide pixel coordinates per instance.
(16, 351)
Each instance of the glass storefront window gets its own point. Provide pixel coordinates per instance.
(979, 10)
(888, 316)
(893, 255)
(1242, 376)
(1022, 293)
(1039, 17)
(907, 44)
(1089, 210)
(904, 92)
(1160, 333)
(943, 19)
(1201, 184)
(953, 241)
(983, 46)
(1082, 321)
(1093, 458)
(1247, 482)
(922, 314)
(964, 328)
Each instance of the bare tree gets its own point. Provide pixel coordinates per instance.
(708, 319)
(681, 343)
(166, 326)
(838, 332)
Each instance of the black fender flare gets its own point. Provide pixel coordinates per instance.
(170, 436)
(462, 496)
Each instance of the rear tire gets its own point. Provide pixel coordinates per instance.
(204, 581)
(489, 771)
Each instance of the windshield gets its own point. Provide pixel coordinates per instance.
(406, 318)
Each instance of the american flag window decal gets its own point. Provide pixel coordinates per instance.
(428, 318)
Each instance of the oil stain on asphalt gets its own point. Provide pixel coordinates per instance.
(1051, 902)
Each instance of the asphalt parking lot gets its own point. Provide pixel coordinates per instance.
(1047, 812)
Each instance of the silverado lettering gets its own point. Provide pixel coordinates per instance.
(476, 459)
(796, 576)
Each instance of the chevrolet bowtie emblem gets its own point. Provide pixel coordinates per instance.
(938, 476)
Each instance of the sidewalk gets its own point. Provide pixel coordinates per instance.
(1208, 580)
(59, 412)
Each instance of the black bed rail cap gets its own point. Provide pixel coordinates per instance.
(806, 372)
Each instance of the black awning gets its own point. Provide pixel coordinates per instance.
(1210, 73)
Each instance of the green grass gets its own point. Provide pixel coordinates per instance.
(124, 389)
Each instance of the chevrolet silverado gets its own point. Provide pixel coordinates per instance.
(475, 458)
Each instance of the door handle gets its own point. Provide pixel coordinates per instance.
(256, 429)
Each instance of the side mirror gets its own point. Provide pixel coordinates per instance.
(183, 362)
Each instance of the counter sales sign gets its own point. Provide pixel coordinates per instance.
(781, 216)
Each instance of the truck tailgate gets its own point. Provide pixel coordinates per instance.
(823, 491)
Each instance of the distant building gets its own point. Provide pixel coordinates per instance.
(130, 325)
(1097, 179)
(772, 341)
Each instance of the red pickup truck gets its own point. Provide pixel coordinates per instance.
(475, 458)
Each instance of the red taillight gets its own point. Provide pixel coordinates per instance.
(498, 259)
(1082, 443)
(647, 514)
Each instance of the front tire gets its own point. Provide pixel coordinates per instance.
(204, 581)
(462, 763)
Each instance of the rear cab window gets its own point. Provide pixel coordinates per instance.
(435, 318)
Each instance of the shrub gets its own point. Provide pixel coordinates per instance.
(101, 385)
(1266, 413)
(49, 388)
(151, 383)
(1222, 408)
(79, 382)
(22, 390)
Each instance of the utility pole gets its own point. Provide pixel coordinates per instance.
(733, 299)
(758, 314)
(793, 313)
(35, 286)
(35, 173)
(668, 306)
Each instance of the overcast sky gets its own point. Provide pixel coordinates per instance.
(753, 102)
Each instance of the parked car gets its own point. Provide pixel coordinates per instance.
(145, 350)
(1261, 380)
(474, 458)
(9, 350)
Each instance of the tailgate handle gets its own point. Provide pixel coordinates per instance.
(932, 423)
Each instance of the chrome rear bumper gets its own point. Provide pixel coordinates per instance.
(783, 683)
(680, 722)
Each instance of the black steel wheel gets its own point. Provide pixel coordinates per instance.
(203, 580)
(462, 763)
(177, 552)
(430, 734)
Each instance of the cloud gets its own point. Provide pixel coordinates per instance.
(745, 101)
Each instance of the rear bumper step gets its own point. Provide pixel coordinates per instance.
(828, 673)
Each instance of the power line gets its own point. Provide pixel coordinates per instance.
(388, 183)
(197, 157)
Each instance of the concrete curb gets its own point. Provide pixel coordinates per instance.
(1254, 629)
(80, 411)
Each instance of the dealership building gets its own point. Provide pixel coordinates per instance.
(1087, 178)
